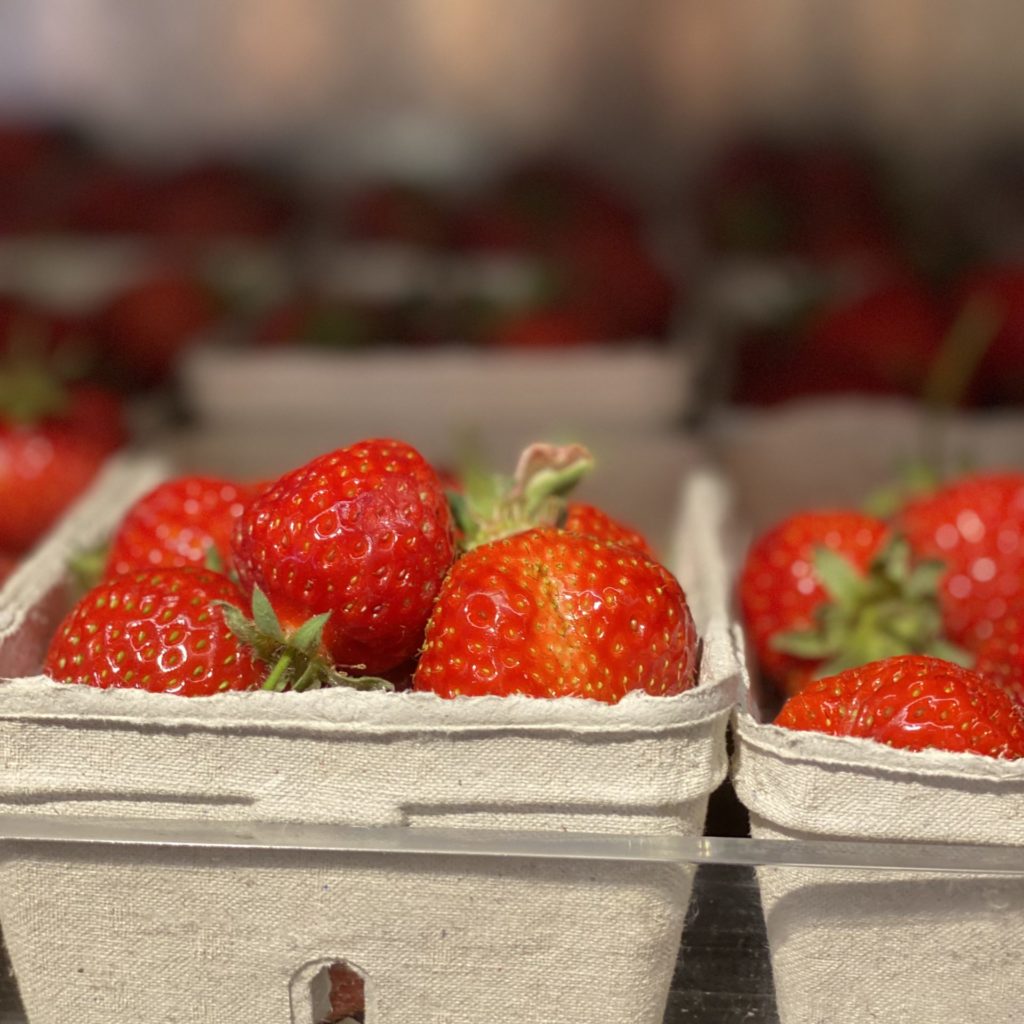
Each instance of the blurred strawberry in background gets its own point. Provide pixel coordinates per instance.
(879, 342)
(145, 329)
(817, 202)
(396, 212)
(218, 202)
(31, 168)
(1000, 377)
(109, 198)
(319, 320)
(54, 438)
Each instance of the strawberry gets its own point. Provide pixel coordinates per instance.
(347, 994)
(827, 590)
(53, 441)
(780, 590)
(216, 201)
(147, 327)
(161, 631)
(1001, 653)
(593, 522)
(975, 526)
(329, 323)
(488, 507)
(7, 566)
(882, 341)
(177, 523)
(363, 533)
(913, 703)
(395, 212)
(548, 328)
(546, 613)
(108, 198)
(1001, 289)
(613, 275)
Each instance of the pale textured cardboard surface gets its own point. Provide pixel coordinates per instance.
(858, 946)
(640, 384)
(217, 936)
(35, 596)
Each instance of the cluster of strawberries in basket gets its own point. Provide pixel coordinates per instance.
(907, 629)
(359, 568)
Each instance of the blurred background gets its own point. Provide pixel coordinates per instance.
(425, 216)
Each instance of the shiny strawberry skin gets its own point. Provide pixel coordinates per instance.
(177, 523)
(1001, 654)
(912, 703)
(546, 613)
(779, 588)
(158, 631)
(46, 465)
(976, 526)
(364, 533)
(593, 522)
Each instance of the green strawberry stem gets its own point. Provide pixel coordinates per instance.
(890, 610)
(33, 379)
(951, 372)
(277, 673)
(963, 348)
(945, 387)
(536, 495)
(29, 393)
(297, 658)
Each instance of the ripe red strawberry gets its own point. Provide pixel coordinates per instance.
(781, 590)
(177, 523)
(363, 533)
(882, 341)
(161, 631)
(347, 993)
(593, 522)
(214, 202)
(52, 443)
(975, 526)
(7, 567)
(147, 327)
(108, 198)
(1001, 653)
(547, 613)
(395, 212)
(550, 327)
(1001, 289)
(332, 323)
(914, 703)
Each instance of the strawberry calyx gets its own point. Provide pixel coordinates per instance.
(892, 609)
(33, 380)
(30, 393)
(494, 507)
(296, 658)
(914, 479)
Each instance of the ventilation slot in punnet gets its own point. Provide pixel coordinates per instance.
(329, 992)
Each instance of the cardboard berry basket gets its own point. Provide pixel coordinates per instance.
(641, 385)
(243, 932)
(855, 944)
